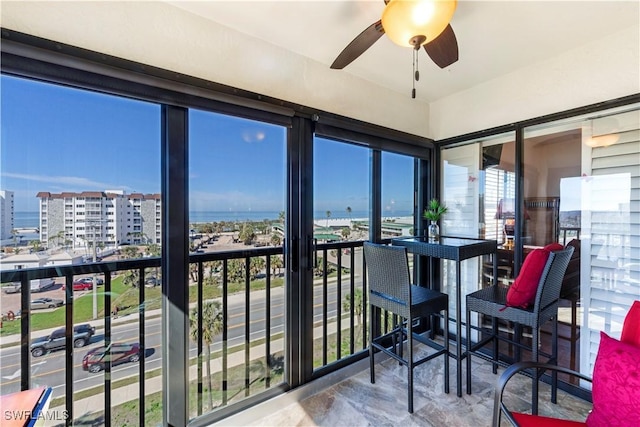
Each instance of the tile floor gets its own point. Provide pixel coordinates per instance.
(347, 398)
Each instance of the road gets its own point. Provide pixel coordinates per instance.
(49, 369)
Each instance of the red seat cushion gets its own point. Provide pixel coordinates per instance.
(523, 291)
(527, 420)
(616, 385)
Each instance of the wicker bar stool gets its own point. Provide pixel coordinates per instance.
(390, 289)
(492, 301)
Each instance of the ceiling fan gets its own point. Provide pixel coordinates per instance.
(411, 24)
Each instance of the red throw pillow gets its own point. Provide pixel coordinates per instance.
(631, 326)
(616, 385)
(554, 247)
(523, 291)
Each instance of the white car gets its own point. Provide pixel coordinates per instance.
(46, 303)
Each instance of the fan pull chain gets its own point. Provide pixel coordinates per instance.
(416, 72)
(416, 75)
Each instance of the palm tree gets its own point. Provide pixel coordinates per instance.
(211, 327)
(328, 213)
(236, 270)
(154, 250)
(349, 213)
(131, 277)
(276, 263)
(14, 237)
(247, 234)
(57, 238)
(36, 246)
(345, 233)
(256, 266)
(358, 306)
(276, 239)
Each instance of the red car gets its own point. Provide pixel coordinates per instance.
(80, 286)
(96, 359)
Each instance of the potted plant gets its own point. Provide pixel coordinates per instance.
(433, 213)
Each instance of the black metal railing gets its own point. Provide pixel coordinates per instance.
(249, 341)
(342, 287)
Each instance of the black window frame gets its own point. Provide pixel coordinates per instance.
(31, 57)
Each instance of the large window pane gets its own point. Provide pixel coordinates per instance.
(341, 214)
(83, 170)
(237, 170)
(581, 180)
(478, 188)
(397, 195)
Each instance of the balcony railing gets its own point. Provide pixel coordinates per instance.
(245, 347)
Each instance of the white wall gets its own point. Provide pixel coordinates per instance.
(164, 36)
(606, 69)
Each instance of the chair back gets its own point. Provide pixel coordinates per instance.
(388, 277)
(550, 284)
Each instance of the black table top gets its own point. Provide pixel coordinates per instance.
(447, 247)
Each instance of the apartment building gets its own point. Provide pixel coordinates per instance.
(6, 214)
(109, 218)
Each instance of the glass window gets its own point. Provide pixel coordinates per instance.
(478, 188)
(237, 183)
(580, 188)
(61, 146)
(397, 195)
(341, 213)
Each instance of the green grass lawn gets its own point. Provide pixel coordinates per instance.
(82, 310)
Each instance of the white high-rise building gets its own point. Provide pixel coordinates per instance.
(110, 218)
(6, 214)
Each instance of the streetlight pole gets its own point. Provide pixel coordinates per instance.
(92, 224)
(95, 282)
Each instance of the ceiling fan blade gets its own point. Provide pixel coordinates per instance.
(443, 50)
(362, 42)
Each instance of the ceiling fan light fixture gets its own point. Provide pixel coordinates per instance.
(404, 21)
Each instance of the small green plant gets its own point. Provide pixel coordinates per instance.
(434, 210)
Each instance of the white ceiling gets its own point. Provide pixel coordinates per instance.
(494, 37)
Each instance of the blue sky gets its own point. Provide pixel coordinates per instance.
(60, 139)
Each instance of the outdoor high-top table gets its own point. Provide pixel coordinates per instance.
(457, 249)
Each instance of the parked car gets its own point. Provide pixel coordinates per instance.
(99, 281)
(151, 282)
(56, 340)
(80, 286)
(95, 360)
(41, 285)
(45, 303)
(12, 288)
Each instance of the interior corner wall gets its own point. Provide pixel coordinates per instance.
(600, 71)
(164, 36)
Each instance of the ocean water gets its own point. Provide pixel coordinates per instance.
(31, 219)
(26, 219)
